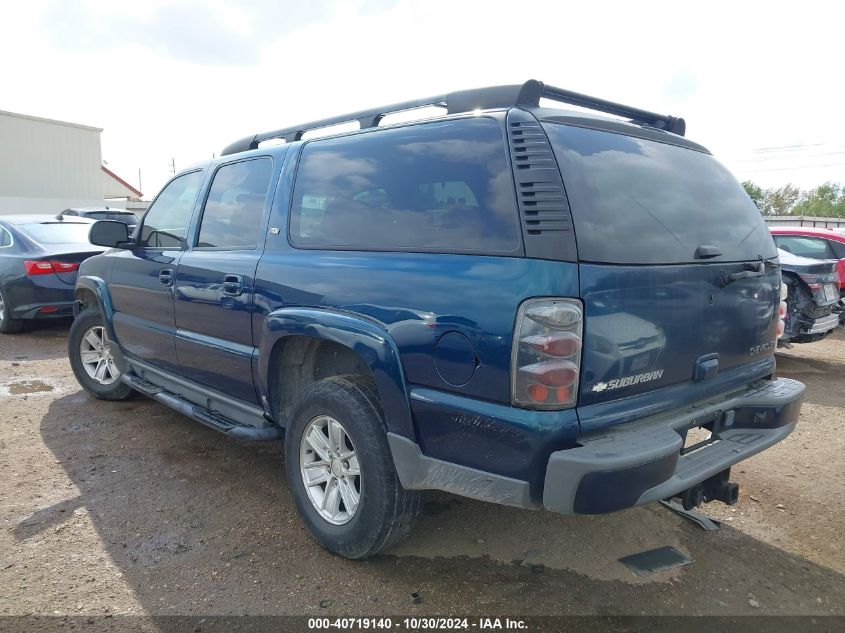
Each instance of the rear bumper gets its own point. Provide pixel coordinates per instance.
(62, 309)
(28, 296)
(639, 462)
(824, 324)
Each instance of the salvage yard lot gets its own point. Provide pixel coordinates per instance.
(111, 508)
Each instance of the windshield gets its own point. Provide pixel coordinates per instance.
(637, 201)
(58, 232)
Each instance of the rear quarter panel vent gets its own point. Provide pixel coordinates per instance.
(543, 207)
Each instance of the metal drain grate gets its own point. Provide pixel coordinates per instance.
(655, 560)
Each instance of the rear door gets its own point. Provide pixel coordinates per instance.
(142, 277)
(678, 272)
(215, 279)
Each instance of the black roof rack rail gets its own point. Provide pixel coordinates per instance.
(527, 94)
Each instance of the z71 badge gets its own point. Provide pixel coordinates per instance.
(627, 381)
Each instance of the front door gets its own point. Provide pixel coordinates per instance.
(215, 280)
(142, 277)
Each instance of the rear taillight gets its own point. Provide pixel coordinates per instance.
(42, 267)
(64, 267)
(546, 359)
(812, 281)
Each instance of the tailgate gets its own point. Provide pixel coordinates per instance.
(679, 274)
(648, 327)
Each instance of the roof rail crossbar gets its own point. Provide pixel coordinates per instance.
(676, 125)
(527, 94)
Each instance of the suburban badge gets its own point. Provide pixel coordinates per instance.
(627, 381)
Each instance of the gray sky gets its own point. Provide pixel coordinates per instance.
(759, 83)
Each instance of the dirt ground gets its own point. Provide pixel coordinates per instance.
(130, 508)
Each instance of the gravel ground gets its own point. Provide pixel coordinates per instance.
(130, 508)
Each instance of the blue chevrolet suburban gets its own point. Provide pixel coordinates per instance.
(521, 304)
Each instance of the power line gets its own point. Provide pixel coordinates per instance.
(786, 148)
(766, 159)
(792, 167)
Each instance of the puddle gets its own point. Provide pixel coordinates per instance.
(27, 386)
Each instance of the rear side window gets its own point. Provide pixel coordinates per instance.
(234, 205)
(637, 201)
(442, 187)
(166, 222)
(5, 238)
(812, 247)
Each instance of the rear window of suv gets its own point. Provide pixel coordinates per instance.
(442, 187)
(639, 201)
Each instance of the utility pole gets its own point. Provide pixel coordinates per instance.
(173, 166)
(139, 180)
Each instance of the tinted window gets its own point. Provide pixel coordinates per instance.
(235, 203)
(812, 247)
(438, 186)
(5, 238)
(166, 221)
(58, 232)
(639, 201)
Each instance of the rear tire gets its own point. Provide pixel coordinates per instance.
(89, 351)
(8, 325)
(383, 512)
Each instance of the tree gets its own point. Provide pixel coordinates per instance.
(827, 200)
(781, 200)
(755, 192)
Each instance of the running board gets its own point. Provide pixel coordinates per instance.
(211, 419)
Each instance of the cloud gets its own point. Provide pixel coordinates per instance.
(681, 86)
(213, 33)
(169, 78)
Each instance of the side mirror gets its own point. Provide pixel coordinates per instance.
(109, 233)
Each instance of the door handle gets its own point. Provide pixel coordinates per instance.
(165, 276)
(233, 284)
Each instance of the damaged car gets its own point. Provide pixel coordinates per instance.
(812, 302)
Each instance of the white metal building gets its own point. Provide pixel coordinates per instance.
(47, 166)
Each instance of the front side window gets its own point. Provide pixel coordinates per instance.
(166, 222)
(442, 186)
(235, 204)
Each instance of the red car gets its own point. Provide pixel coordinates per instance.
(815, 243)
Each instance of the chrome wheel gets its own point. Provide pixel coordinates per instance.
(330, 471)
(96, 356)
(2, 310)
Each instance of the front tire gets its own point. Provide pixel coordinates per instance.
(8, 325)
(91, 358)
(340, 469)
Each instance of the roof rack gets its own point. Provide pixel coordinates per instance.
(527, 94)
